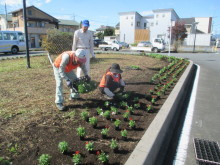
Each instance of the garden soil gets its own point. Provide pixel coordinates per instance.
(31, 125)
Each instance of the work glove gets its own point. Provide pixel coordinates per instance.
(69, 83)
(87, 78)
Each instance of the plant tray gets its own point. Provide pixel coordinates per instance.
(207, 152)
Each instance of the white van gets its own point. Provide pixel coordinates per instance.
(12, 41)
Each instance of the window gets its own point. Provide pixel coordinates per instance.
(156, 22)
(132, 24)
(21, 37)
(145, 25)
(138, 24)
(10, 36)
(1, 36)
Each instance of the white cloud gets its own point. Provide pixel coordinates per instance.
(66, 17)
(11, 2)
(48, 1)
(146, 13)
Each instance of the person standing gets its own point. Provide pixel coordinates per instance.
(63, 67)
(83, 39)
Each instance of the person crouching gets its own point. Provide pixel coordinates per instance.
(111, 81)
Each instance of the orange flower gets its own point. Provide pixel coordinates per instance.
(77, 152)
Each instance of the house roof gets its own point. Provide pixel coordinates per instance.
(188, 21)
(68, 22)
(21, 9)
(9, 17)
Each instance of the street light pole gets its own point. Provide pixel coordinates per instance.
(195, 23)
(26, 34)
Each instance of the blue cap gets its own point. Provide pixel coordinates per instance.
(85, 23)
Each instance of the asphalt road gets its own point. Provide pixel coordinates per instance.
(206, 112)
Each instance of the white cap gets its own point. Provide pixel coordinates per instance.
(81, 55)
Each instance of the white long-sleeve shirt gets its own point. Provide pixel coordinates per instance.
(83, 40)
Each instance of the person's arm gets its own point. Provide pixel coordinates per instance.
(75, 38)
(83, 67)
(64, 62)
(107, 85)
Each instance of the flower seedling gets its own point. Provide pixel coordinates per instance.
(130, 109)
(63, 146)
(81, 131)
(106, 114)
(44, 159)
(89, 146)
(114, 144)
(114, 110)
(138, 105)
(84, 115)
(93, 121)
(123, 104)
(126, 115)
(106, 104)
(125, 96)
(124, 133)
(103, 157)
(117, 123)
(149, 107)
(136, 99)
(153, 100)
(99, 111)
(131, 123)
(77, 158)
(105, 131)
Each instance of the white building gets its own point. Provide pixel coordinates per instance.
(157, 25)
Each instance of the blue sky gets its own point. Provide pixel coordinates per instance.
(102, 12)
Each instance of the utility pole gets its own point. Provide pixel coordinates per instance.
(170, 36)
(195, 28)
(26, 34)
(6, 17)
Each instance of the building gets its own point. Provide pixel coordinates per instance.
(5, 22)
(135, 27)
(38, 22)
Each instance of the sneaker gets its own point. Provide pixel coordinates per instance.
(60, 106)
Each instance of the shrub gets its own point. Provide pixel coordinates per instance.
(63, 146)
(44, 159)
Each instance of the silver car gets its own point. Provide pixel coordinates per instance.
(144, 44)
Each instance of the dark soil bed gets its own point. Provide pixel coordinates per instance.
(31, 125)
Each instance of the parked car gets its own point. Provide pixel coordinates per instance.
(97, 42)
(124, 44)
(144, 44)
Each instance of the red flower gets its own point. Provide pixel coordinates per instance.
(77, 152)
(87, 142)
(130, 118)
(127, 111)
(98, 153)
(106, 126)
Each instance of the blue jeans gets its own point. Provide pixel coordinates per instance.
(59, 84)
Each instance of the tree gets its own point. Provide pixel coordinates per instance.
(178, 33)
(109, 32)
(100, 35)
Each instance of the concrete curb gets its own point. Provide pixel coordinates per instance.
(148, 150)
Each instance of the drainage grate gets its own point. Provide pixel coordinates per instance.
(207, 152)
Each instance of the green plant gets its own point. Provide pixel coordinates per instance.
(126, 115)
(124, 133)
(137, 105)
(44, 159)
(114, 144)
(93, 121)
(130, 109)
(135, 67)
(149, 107)
(89, 146)
(4, 161)
(106, 103)
(103, 157)
(106, 114)
(117, 123)
(99, 111)
(63, 146)
(105, 131)
(13, 149)
(123, 104)
(85, 87)
(84, 115)
(77, 158)
(131, 123)
(114, 110)
(136, 99)
(81, 131)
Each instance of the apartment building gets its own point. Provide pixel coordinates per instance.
(38, 22)
(135, 28)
